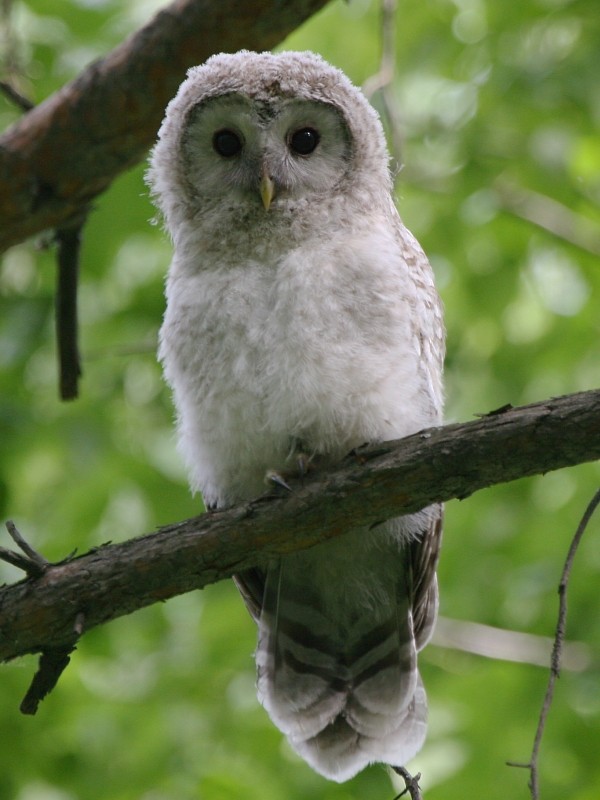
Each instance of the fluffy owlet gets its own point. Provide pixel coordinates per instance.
(302, 320)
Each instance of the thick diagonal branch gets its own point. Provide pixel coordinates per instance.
(67, 150)
(432, 466)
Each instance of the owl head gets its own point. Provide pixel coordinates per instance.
(255, 135)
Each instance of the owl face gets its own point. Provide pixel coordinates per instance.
(239, 149)
(254, 136)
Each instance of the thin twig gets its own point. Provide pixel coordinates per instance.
(18, 561)
(411, 784)
(507, 645)
(23, 545)
(382, 80)
(549, 214)
(79, 624)
(22, 102)
(32, 562)
(10, 58)
(555, 661)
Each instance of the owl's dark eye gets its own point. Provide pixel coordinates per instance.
(304, 141)
(227, 143)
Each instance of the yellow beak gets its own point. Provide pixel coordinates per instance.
(267, 189)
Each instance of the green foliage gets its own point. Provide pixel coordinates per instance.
(498, 102)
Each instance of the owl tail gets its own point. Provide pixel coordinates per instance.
(341, 683)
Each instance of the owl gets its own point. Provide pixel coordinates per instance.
(302, 321)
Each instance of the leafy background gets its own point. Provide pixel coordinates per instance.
(495, 100)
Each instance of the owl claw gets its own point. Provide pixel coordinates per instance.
(304, 464)
(276, 478)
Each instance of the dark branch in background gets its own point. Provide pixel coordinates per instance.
(43, 613)
(382, 81)
(69, 362)
(557, 650)
(52, 664)
(68, 240)
(69, 148)
(15, 97)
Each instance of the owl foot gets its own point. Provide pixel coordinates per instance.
(302, 465)
(305, 464)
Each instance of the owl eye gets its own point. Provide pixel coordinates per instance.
(227, 143)
(304, 141)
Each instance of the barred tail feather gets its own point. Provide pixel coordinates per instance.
(340, 682)
(340, 751)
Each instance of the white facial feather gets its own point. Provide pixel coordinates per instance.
(302, 315)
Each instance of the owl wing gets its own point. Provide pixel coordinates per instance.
(422, 558)
(428, 323)
(251, 586)
(423, 555)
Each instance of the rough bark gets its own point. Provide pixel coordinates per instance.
(67, 150)
(49, 610)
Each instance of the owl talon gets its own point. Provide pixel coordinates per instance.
(304, 463)
(276, 478)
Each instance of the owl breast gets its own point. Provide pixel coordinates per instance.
(321, 349)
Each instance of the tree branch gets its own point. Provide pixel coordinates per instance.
(67, 150)
(397, 478)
